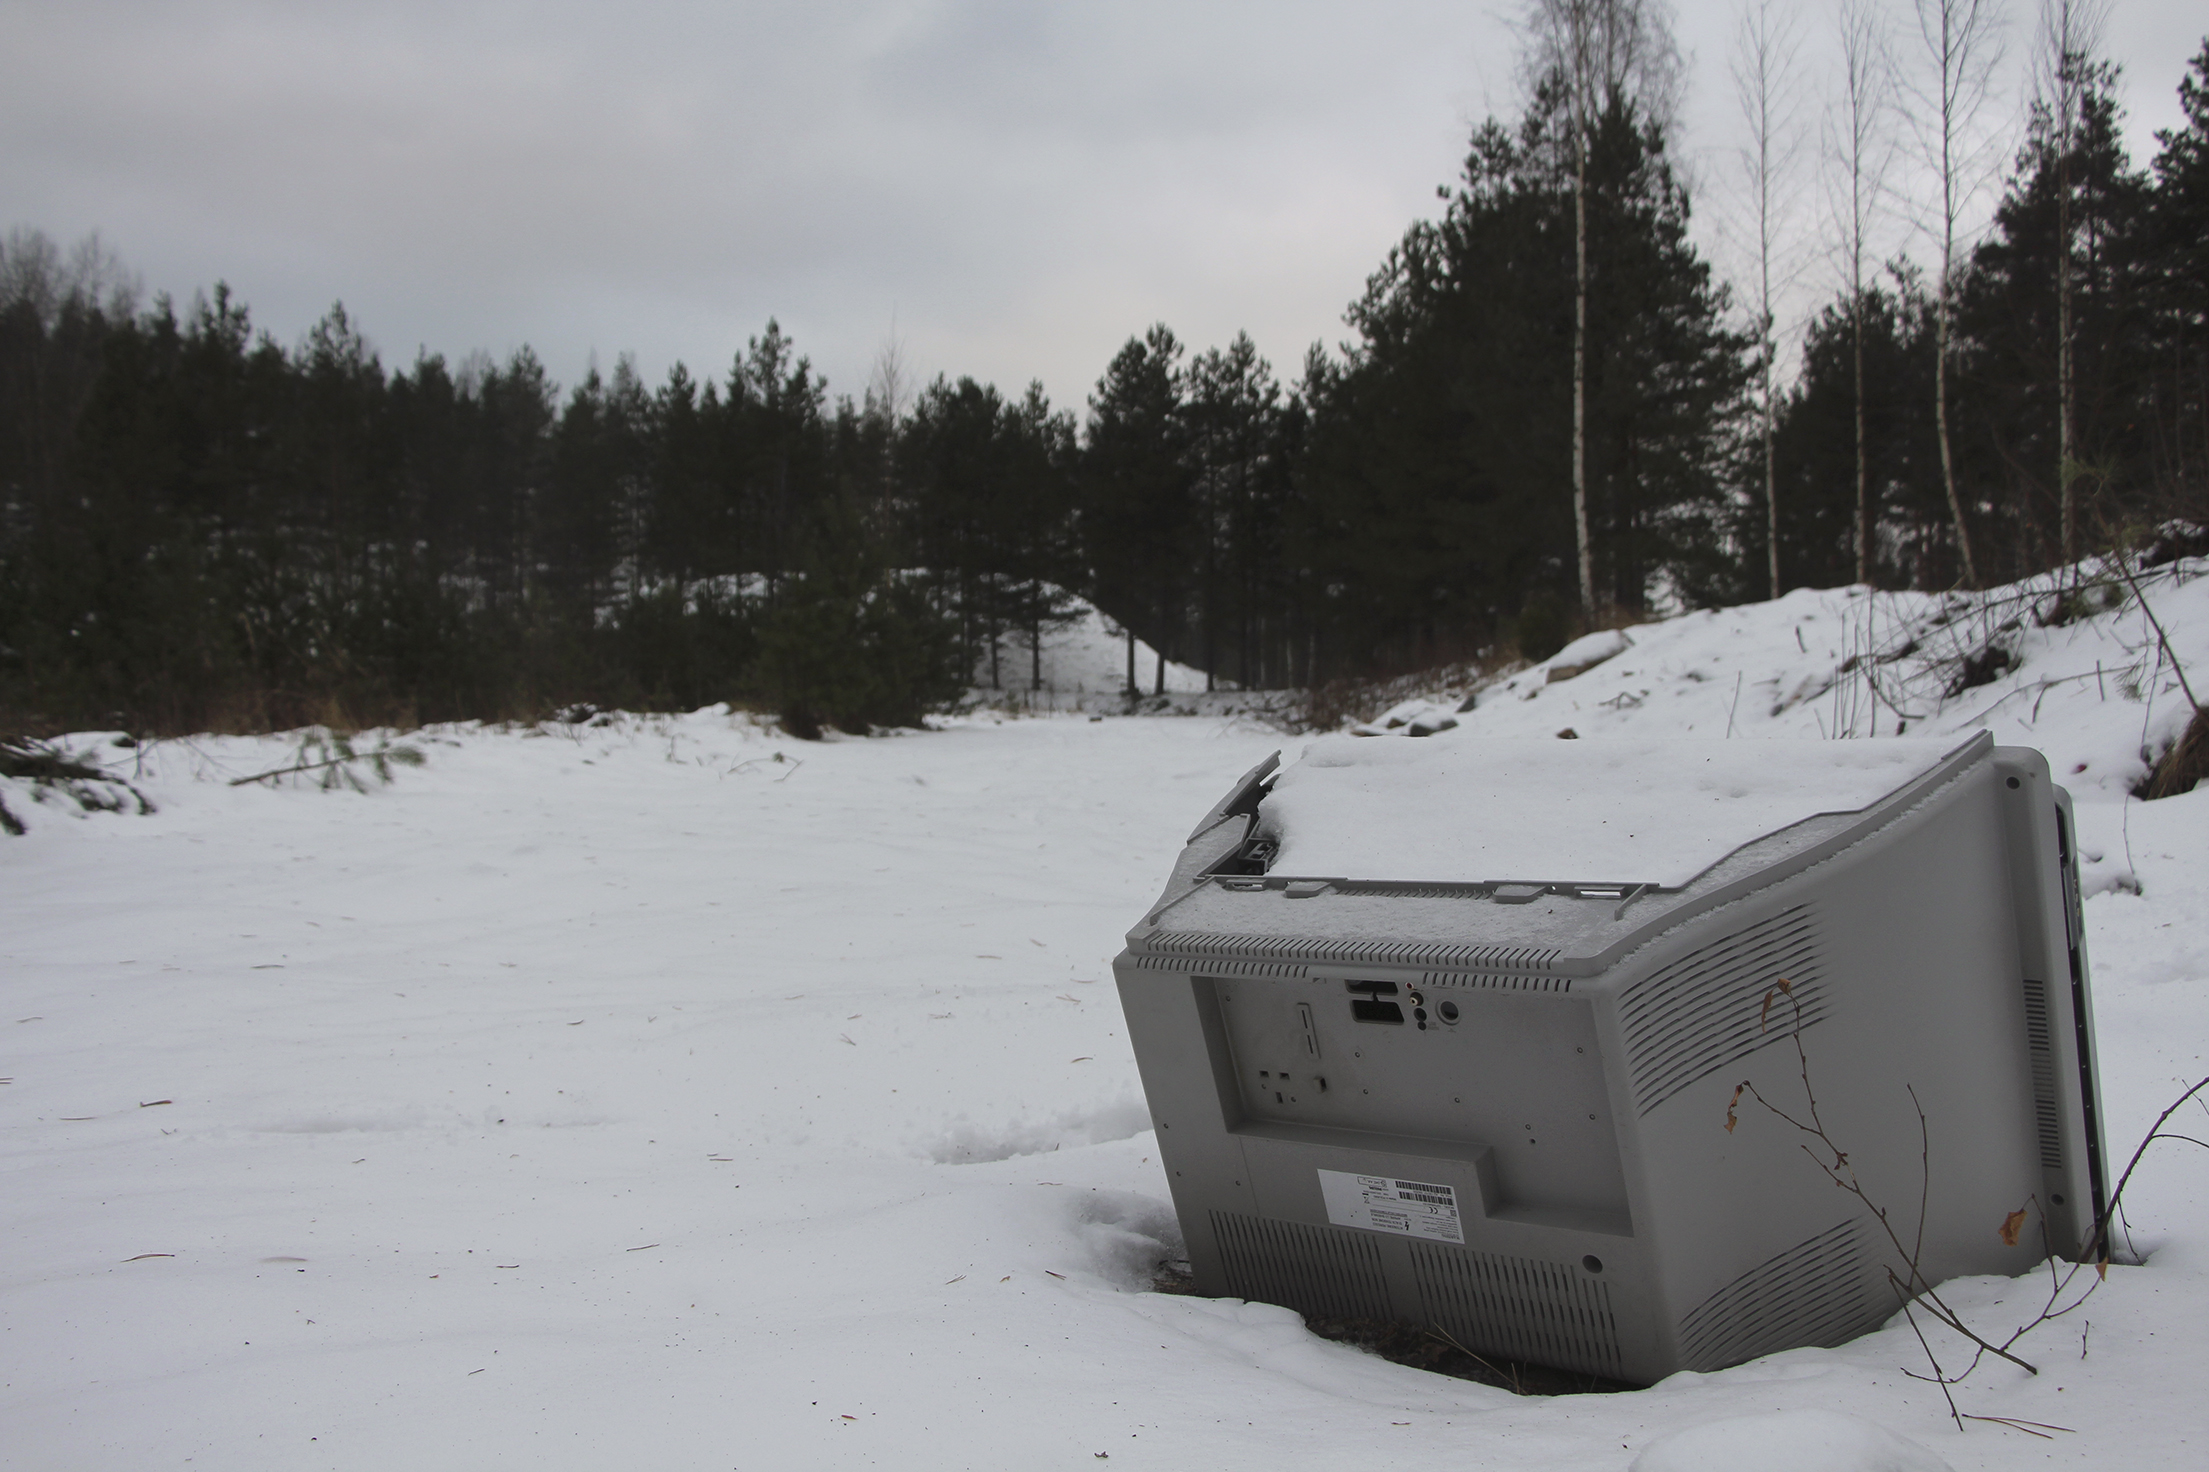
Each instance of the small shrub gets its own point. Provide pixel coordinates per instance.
(330, 761)
(51, 769)
(2178, 770)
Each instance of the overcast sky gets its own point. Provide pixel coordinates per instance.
(1019, 187)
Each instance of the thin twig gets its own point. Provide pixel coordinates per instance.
(1911, 1287)
(294, 771)
(2161, 637)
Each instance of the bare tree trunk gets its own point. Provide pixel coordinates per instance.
(1763, 51)
(1133, 688)
(1863, 464)
(1940, 418)
(2070, 33)
(1864, 153)
(1580, 378)
(1600, 50)
(2066, 393)
(1959, 35)
(1771, 478)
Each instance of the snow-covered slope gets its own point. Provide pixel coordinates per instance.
(1083, 664)
(626, 1096)
(2082, 675)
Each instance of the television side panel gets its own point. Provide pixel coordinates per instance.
(1904, 979)
(2043, 863)
(1180, 1054)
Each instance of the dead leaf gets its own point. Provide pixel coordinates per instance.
(2011, 1225)
(1060, 1276)
(1736, 1099)
(959, 1279)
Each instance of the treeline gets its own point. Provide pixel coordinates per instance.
(2078, 378)
(1549, 412)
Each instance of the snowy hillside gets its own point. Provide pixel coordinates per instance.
(666, 1093)
(2082, 677)
(1083, 665)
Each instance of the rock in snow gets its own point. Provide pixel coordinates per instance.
(1585, 653)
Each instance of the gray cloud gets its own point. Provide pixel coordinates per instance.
(1022, 185)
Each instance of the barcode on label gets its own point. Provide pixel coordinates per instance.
(1385, 1204)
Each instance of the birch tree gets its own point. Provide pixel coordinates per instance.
(1597, 51)
(1961, 50)
(1860, 146)
(1763, 63)
(2063, 55)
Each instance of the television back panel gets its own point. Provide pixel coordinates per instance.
(1500, 1108)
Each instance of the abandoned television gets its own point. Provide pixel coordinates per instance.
(1446, 1032)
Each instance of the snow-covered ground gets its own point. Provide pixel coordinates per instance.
(626, 1096)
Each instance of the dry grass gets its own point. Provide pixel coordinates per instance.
(2185, 764)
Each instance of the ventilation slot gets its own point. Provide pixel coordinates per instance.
(1489, 981)
(1812, 1294)
(1370, 953)
(1217, 967)
(1517, 1308)
(1706, 1010)
(1324, 1272)
(2039, 1048)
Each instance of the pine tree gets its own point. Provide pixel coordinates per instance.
(2050, 322)
(1140, 537)
(2176, 267)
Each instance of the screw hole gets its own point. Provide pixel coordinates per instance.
(1592, 1263)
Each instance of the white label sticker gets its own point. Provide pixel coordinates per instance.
(1387, 1204)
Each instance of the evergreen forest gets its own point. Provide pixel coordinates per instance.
(1549, 414)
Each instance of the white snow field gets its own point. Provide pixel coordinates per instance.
(622, 1096)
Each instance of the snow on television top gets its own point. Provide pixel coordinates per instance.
(1615, 810)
